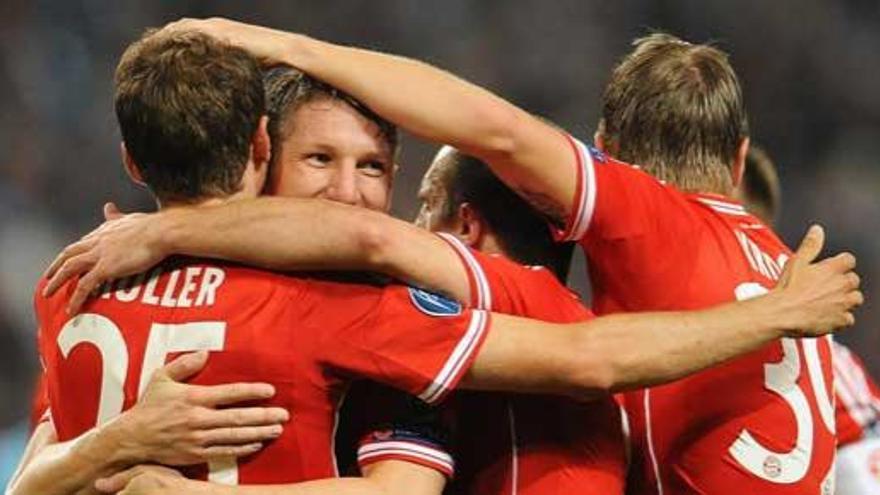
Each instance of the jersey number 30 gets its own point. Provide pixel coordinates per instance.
(782, 379)
(164, 339)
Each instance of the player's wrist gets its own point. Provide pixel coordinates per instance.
(303, 52)
(113, 445)
(776, 312)
(171, 230)
(120, 438)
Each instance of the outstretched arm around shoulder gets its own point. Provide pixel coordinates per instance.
(530, 155)
(269, 232)
(629, 351)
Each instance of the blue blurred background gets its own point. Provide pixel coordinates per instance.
(810, 71)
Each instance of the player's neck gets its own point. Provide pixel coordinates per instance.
(489, 245)
(727, 193)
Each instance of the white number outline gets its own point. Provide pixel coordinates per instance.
(163, 339)
(781, 378)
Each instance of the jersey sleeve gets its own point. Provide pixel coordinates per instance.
(40, 402)
(616, 201)
(403, 428)
(40, 410)
(481, 288)
(413, 340)
(504, 286)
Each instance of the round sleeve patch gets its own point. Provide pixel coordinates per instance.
(433, 304)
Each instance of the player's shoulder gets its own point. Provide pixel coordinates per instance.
(532, 290)
(46, 308)
(732, 213)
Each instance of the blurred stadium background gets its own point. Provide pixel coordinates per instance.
(810, 71)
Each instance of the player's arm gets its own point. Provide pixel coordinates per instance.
(629, 351)
(385, 478)
(274, 233)
(49, 467)
(173, 424)
(529, 155)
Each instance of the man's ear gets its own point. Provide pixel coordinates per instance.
(131, 168)
(739, 163)
(261, 145)
(471, 229)
(599, 141)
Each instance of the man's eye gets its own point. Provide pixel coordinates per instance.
(320, 159)
(373, 169)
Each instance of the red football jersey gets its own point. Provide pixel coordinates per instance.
(39, 402)
(306, 336)
(763, 423)
(858, 397)
(509, 443)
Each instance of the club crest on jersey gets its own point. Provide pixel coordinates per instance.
(433, 304)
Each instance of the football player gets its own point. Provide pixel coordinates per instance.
(309, 334)
(666, 236)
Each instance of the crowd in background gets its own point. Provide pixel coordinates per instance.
(810, 72)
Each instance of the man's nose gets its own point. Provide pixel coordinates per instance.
(343, 187)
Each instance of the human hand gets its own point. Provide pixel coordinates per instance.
(269, 45)
(123, 245)
(819, 296)
(177, 424)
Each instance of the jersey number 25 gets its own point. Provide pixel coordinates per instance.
(164, 339)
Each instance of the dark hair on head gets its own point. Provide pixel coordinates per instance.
(761, 192)
(676, 109)
(523, 233)
(188, 107)
(287, 89)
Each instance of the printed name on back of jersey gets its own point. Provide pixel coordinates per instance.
(433, 304)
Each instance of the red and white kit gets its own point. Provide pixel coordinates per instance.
(762, 423)
(509, 443)
(306, 336)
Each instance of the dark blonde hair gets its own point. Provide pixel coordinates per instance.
(676, 109)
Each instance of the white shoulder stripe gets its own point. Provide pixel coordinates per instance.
(724, 206)
(454, 366)
(585, 192)
(484, 291)
(588, 199)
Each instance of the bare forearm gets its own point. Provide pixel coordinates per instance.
(276, 233)
(427, 101)
(649, 349)
(620, 352)
(309, 234)
(69, 467)
(529, 155)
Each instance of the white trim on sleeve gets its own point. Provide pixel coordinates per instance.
(404, 450)
(585, 194)
(483, 299)
(455, 364)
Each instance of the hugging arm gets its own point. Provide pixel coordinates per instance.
(269, 232)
